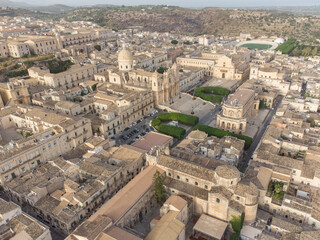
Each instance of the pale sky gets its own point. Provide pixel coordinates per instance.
(183, 3)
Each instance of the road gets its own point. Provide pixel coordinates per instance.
(247, 156)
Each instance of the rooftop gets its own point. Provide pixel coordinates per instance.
(151, 140)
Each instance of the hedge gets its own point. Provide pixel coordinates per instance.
(181, 118)
(212, 94)
(176, 132)
(155, 122)
(221, 133)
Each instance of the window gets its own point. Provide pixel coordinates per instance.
(10, 166)
(30, 156)
(20, 161)
(54, 142)
(43, 148)
(6, 178)
(206, 186)
(169, 174)
(23, 169)
(36, 154)
(217, 200)
(178, 177)
(3, 169)
(238, 198)
(49, 145)
(32, 164)
(187, 180)
(196, 183)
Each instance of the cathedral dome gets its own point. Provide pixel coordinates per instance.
(125, 55)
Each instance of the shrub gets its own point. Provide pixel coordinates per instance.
(221, 133)
(262, 105)
(210, 93)
(17, 73)
(155, 122)
(59, 66)
(176, 132)
(181, 118)
(161, 70)
(97, 47)
(174, 42)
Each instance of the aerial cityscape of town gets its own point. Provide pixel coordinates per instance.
(159, 123)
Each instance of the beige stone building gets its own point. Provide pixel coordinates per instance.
(217, 191)
(18, 225)
(14, 92)
(123, 211)
(236, 110)
(67, 79)
(41, 46)
(76, 189)
(18, 49)
(225, 65)
(164, 86)
(48, 135)
(4, 51)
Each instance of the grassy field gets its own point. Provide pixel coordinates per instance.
(257, 46)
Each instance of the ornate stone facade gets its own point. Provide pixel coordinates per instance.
(235, 111)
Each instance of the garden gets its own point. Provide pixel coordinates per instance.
(211, 131)
(212, 94)
(275, 189)
(176, 132)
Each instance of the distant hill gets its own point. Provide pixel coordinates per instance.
(8, 3)
(56, 8)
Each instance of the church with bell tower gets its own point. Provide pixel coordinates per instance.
(164, 86)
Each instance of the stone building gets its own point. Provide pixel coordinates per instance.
(217, 190)
(67, 79)
(18, 225)
(232, 65)
(164, 86)
(40, 45)
(236, 110)
(46, 135)
(123, 211)
(18, 49)
(14, 92)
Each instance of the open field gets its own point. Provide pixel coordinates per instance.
(257, 46)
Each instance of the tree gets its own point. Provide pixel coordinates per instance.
(175, 42)
(311, 121)
(97, 47)
(236, 223)
(158, 188)
(161, 70)
(262, 105)
(278, 187)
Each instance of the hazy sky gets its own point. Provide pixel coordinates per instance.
(184, 3)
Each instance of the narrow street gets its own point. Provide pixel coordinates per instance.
(257, 139)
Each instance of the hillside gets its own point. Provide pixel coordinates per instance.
(205, 21)
(57, 8)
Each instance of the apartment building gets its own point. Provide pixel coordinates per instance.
(4, 51)
(18, 49)
(67, 79)
(41, 46)
(74, 191)
(46, 135)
